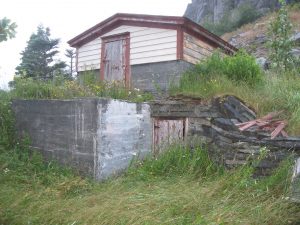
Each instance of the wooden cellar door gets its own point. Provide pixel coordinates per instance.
(166, 132)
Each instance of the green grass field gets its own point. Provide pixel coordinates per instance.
(181, 187)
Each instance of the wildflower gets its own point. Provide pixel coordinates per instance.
(6, 170)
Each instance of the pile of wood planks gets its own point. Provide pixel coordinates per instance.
(267, 123)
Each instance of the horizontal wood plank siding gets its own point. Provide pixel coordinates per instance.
(147, 45)
(89, 55)
(194, 49)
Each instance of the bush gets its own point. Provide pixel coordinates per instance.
(242, 68)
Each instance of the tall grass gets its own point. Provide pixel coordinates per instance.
(266, 92)
(7, 131)
(178, 187)
(28, 88)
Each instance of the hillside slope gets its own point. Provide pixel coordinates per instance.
(253, 37)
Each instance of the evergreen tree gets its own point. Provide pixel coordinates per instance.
(70, 53)
(7, 29)
(37, 58)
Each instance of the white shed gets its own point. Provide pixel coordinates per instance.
(144, 50)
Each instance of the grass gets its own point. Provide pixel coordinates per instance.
(272, 91)
(59, 88)
(176, 188)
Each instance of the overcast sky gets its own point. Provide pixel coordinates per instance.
(66, 19)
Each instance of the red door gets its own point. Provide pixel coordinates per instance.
(115, 58)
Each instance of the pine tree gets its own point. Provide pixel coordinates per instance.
(37, 58)
(7, 29)
(70, 54)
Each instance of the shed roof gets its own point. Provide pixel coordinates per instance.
(141, 20)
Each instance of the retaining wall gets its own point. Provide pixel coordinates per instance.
(97, 137)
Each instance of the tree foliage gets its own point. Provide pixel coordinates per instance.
(70, 53)
(281, 44)
(7, 29)
(38, 57)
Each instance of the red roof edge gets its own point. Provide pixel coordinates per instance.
(170, 22)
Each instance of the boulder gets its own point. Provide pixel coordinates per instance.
(263, 63)
(295, 194)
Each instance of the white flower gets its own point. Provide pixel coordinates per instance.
(6, 170)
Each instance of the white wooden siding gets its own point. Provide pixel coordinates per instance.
(147, 45)
(194, 49)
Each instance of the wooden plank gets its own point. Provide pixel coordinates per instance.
(88, 57)
(190, 59)
(91, 66)
(161, 58)
(278, 129)
(145, 43)
(248, 125)
(197, 48)
(90, 52)
(151, 48)
(191, 39)
(124, 28)
(154, 36)
(193, 53)
(154, 53)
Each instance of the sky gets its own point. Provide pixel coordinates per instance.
(66, 19)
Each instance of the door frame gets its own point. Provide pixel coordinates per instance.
(122, 36)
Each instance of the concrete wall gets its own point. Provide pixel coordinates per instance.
(124, 131)
(154, 76)
(97, 137)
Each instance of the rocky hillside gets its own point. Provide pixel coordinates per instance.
(254, 36)
(213, 11)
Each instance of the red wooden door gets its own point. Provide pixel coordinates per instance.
(115, 58)
(167, 132)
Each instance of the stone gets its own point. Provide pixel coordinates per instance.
(295, 195)
(296, 52)
(201, 11)
(263, 63)
(296, 37)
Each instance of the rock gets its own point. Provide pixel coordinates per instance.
(295, 195)
(296, 37)
(263, 63)
(295, 52)
(201, 11)
(261, 39)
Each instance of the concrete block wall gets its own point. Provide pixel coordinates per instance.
(97, 137)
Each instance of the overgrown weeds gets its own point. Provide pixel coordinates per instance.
(29, 88)
(181, 186)
(178, 160)
(239, 76)
(7, 131)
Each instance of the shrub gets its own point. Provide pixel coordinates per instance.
(242, 68)
(280, 44)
